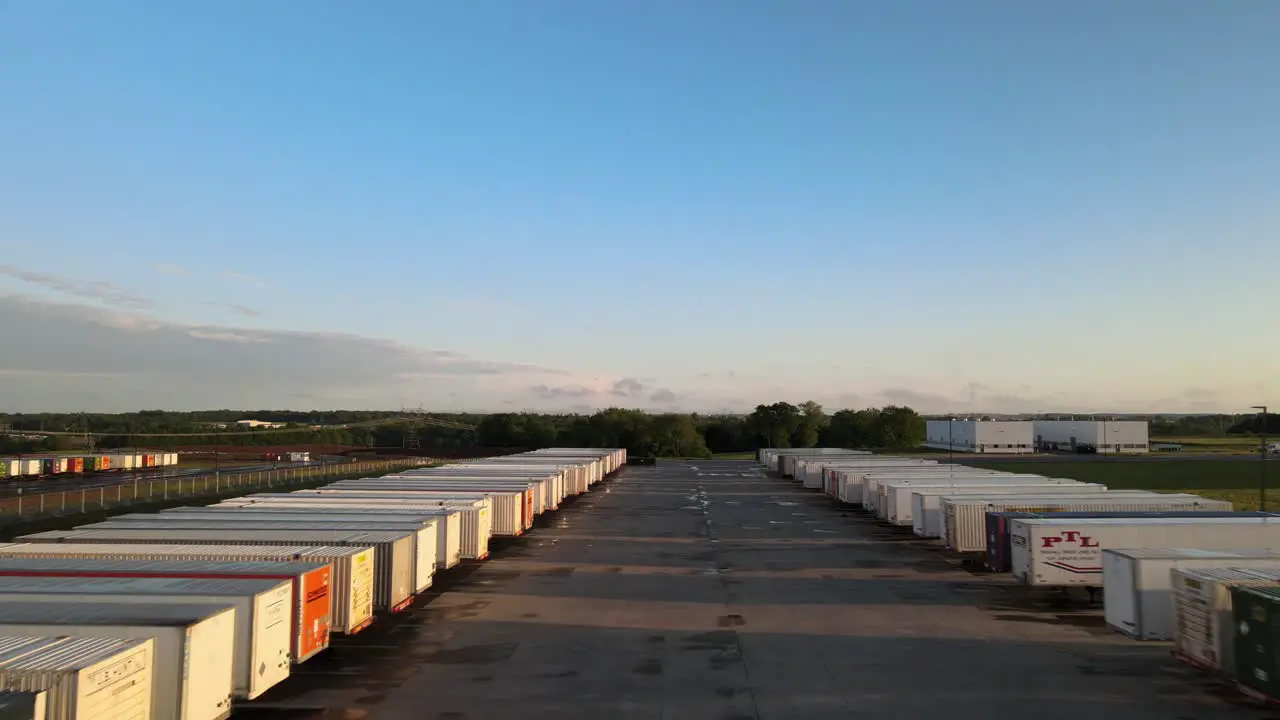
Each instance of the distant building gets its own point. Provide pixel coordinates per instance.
(1005, 437)
(1105, 437)
(259, 424)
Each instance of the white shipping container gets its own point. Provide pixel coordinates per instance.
(784, 461)
(1061, 552)
(926, 502)
(448, 522)
(586, 474)
(122, 461)
(852, 484)
(393, 559)
(17, 705)
(351, 583)
(84, 678)
(194, 649)
(811, 471)
(312, 584)
(894, 505)
(829, 471)
(792, 466)
(423, 557)
(871, 481)
(1138, 584)
(541, 487)
(524, 494)
(592, 471)
(1203, 613)
(263, 612)
(28, 467)
(961, 518)
(964, 519)
(507, 508)
(476, 514)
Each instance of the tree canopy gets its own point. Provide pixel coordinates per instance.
(780, 424)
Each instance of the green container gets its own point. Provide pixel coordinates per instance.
(1257, 628)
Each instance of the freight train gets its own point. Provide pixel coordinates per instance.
(31, 466)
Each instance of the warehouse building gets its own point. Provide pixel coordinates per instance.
(1093, 436)
(1005, 437)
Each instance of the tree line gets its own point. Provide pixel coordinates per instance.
(779, 424)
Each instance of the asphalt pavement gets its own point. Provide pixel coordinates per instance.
(708, 591)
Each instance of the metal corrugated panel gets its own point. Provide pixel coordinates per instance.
(425, 533)
(507, 508)
(393, 566)
(446, 520)
(263, 608)
(965, 518)
(1203, 614)
(351, 582)
(194, 649)
(475, 514)
(70, 668)
(314, 591)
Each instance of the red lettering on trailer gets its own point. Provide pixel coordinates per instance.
(1069, 536)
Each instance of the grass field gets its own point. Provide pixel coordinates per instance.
(1213, 444)
(1234, 481)
(1152, 475)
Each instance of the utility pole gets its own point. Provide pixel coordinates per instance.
(1262, 456)
(951, 440)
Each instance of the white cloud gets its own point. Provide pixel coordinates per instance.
(175, 270)
(130, 361)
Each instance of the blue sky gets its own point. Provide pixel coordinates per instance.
(960, 206)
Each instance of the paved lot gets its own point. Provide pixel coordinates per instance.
(709, 592)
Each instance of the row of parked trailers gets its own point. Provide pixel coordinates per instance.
(181, 614)
(1170, 566)
(46, 465)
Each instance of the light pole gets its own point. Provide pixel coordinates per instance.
(1262, 456)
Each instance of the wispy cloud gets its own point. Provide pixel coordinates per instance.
(245, 278)
(481, 307)
(159, 363)
(223, 335)
(236, 308)
(633, 392)
(99, 290)
(175, 270)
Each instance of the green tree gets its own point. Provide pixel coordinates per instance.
(675, 435)
(851, 429)
(774, 425)
(725, 434)
(898, 427)
(812, 421)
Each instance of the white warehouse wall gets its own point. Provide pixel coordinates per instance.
(1107, 436)
(1005, 437)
